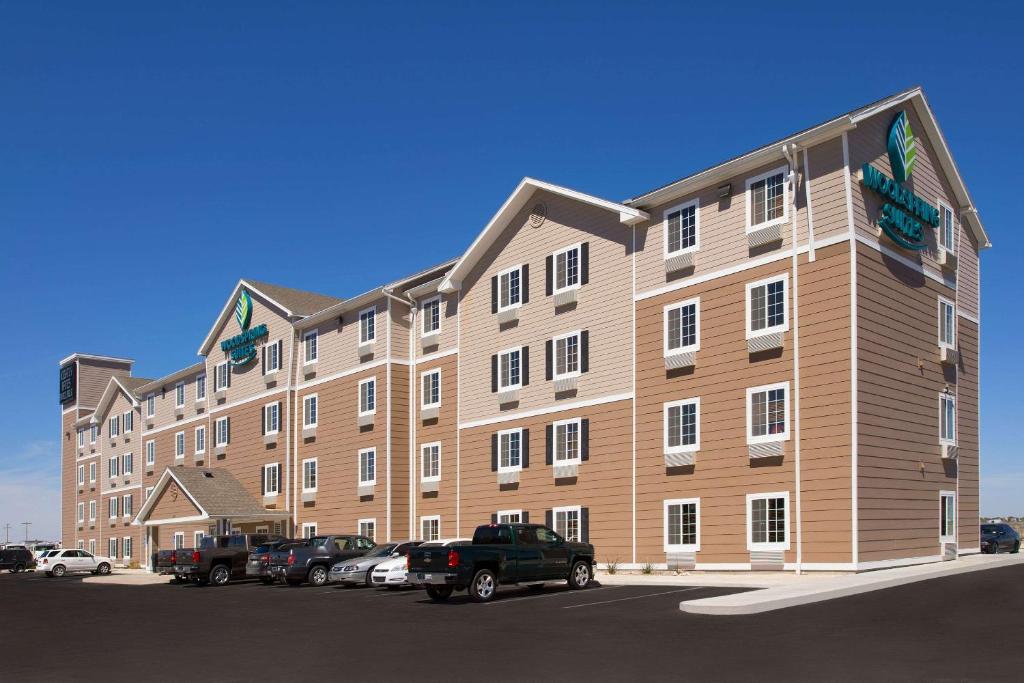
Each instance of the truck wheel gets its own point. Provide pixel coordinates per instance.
(579, 576)
(220, 575)
(439, 593)
(317, 576)
(483, 586)
(18, 568)
(178, 578)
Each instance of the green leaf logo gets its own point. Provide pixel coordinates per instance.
(902, 148)
(243, 310)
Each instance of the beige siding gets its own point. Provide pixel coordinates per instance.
(443, 429)
(448, 338)
(93, 376)
(339, 344)
(164, 398)
(828, 190)
(398, 467)
(968, 439)
(968, 274)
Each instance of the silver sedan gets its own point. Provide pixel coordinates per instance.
(357, 570)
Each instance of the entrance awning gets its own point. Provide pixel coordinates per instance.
(196, 494)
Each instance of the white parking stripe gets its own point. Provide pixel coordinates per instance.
(546, 595)
(634, 597)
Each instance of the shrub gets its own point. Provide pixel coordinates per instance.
(612, 567)
(647, 568)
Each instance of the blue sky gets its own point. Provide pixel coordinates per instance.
(152, 154)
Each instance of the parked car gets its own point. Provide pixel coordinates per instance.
(501, 554)
(258, 564)
(359, 570)
(312, 560)
(60, 562)
(394, 573)
(218, 559)
(16, 560)
(997, 537)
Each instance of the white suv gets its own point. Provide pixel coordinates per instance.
(60, 562)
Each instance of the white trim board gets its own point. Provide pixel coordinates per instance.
(521, 415)
(340, 374)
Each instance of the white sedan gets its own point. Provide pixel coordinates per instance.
(393, 573)
(60, 562)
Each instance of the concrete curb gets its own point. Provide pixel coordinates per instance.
(804, 593)
(128, 578)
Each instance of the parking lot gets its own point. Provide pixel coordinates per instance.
(957, 628)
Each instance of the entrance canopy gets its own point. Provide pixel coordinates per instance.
(196, 494)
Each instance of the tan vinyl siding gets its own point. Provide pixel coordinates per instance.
(443, 429)
(968, 438)
(448, 338)
(93, 376)
(398, 330)
(398, 468)
(828, 190)
(338, 345)
(968, 273)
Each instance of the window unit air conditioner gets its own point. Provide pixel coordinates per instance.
(950, 451)
(946, 259)
(680, 359)
(677, 262)
(948, 356)
(765, 342)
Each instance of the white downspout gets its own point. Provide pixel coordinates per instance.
(291, 495)
(791, 153)
(406, 301)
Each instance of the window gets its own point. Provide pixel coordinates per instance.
(766, 306)
(510, 288)
(94, 432)
(309, 410)
(80, 545)
(222, 428)
(682, 327)
(768, 413)
(113, 467)
(567, 522)
(81, 438)
(309, 346)
(947, 517)
(682, 525)
(431, 395)
(367, 466)
(92, 510)
(309, 475)
(197, 538)
(271, 357)
(368, 396)
(567, 441)
(112, 548)
(200, 387)
(947, 419)
(150, 405)
(767, 522)
(567, 355)
(179, 395)
(128, 421)
(947, 324)
(200, 440)
(368, 528)
(81, 475)
(113, 504)
(148, 493)
(127, 505)
(127, 464)
(126, 547)
(509, 369)
(81, 512)
(150, 452)
(946, 228)
(179, 540)
(271, 418)
(179, 445)
(432, 316)
(430, 528)
(680, 228)
(92, 546)
(767, 196)
(221, 376)
(271, 479)
(682, 426)
(510, 517)
(308, 529)
(92, 473)
(367, 325)
(510, 445)
(430, 461)
(114, 428)
(567, 269)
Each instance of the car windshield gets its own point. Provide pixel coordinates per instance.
(382, 550)
(51, 553)
(989, 529)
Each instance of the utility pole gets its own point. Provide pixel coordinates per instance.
(7, 528)
(26, 525)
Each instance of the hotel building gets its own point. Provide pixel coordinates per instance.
(770, 364)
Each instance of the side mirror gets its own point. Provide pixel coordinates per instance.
(396, 554)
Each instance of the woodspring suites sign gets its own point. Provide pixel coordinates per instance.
(242, 347)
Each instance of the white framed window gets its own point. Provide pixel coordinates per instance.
(682, 525)
(113, 467)
(767, 199)
(179, 540)
(431, 316)
(430, 395)
(368, 528)
(510, 290)
(150, 405)
(682, 426)
(92, 546)
(200, 387)
(947, 228)
(81, 438)
(947, 517)
(430, 527)
(947, 419)
(148, 493)
(197, 538)
(179, 445)
(271, 418)
(430, 461)
(947, 324)
(200, 437)
(179, 395)
(272, 357)
(566, 349)
(567, 268)
(367, 325)
(510, 517)
(310, 349)
(92, 510)
(94, 432)
(310, 406)
(128, 421)
(221, 376)
(113, 426)
(113, 505)
(308, 529)
(768, 413)
(368, 396)
(682, 326)
(567, 441)
(567, 522)
(309, 473)
(681, 228)
(81, 512)
(127, 464)
(768, 521)
(92, 473)
(767, 304)
(367, 466)
(112, 548)
(127, 505)
(510, 450)
(271, 479)
(126, 547)
(510, 369)
(80, 545)
(222, 430)
(81, 475)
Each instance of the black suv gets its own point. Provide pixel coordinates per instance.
(999, 537)
(17, 560)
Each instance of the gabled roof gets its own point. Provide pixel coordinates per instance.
(214, 491)
(154, 384)
(126, 385)
(516, 201)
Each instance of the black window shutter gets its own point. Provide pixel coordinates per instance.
(526, 516)
(494, 294)
(263, 358)
(524, 449)
(263, 420)
(494, 518)
(549, 444)
(227, 426)
(584, 350)
(494, 452)
(494, 373)
(280, 417)
(524, 284)
(525, 365)
(280, 354)
(549, 275)
(227, 371)
(585, 263)
(585, 439)
(549, 519)
(263, 478)
(548, 360)
(585, 525)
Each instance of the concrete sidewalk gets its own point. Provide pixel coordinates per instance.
(791, 590)
(128, 577)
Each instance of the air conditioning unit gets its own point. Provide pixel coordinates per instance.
(950, 452)
(677, 262)
(948, 356)
(946, 259)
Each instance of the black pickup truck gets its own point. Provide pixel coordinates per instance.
(312, 561)
(219, 559)
(501, 554)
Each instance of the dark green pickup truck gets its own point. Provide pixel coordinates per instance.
(501, 554)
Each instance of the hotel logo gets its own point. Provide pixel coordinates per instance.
(902, 148)
(243, 310)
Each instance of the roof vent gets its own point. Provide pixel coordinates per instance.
(537, 214)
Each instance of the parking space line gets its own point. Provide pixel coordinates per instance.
(546, 595)
(634, 597)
